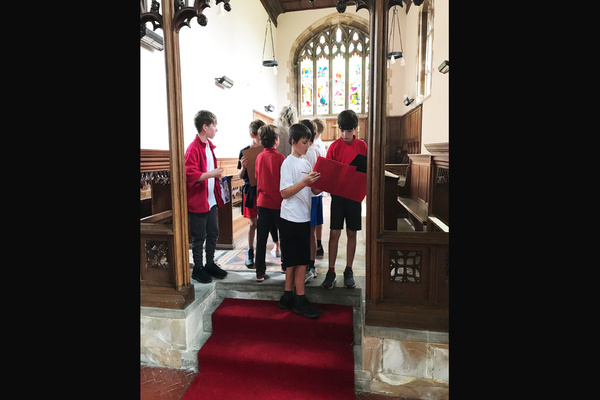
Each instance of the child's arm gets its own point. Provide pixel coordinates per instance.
(244, 162)
(292, 190)
(215, 173)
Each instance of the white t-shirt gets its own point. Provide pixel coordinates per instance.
(311, 156)
(320, 146)
(297, 207)
(210, 162)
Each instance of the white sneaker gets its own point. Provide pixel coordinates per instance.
(275, 253)
(309, 275)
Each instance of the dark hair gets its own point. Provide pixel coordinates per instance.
(268, 134)
(204, 117)
(298, 131)
(311, 126)
(347, 120)
(255, 126)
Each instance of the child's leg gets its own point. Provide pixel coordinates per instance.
(252, 224)
(273, 230)
(350, 247)
(334, 238)
(299, 272)
(263, 223)
(197, 223)
(212, 235)
(289, 279)
(313, 242)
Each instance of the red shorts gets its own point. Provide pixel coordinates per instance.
(249, 212)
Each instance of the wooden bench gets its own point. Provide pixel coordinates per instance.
(416, 201)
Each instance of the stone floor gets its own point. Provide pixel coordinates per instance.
(234, 260)
(159, 383)
(164, 383)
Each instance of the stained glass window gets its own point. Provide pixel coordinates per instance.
(335, 62)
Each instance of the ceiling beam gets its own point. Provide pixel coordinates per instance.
(273, 8)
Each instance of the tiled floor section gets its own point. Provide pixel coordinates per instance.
(170, 384)
(233, 260)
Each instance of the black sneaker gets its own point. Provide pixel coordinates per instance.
(261, 277)
(349, 278)
(201, 275)
(286, 301)
(320, 251)
(329, 281)
(215, 271)
(306, 308)
(250, 258)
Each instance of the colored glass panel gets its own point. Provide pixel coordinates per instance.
(306, 81)
(339, 83)
(323, 85)
(354, 80)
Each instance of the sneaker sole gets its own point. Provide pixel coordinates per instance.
(197, 280)
(307, 316)
(330, 287)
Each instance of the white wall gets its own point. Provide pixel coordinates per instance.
(435, 126)
(229, 45)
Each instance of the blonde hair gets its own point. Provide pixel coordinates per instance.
(320, 124)
(288, 116)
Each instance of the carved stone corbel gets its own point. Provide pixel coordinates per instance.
(152, 16)
(183, 15)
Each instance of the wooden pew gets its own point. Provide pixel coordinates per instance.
(397, 182)
(416, 202)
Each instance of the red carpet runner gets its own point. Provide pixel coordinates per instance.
(258, 351)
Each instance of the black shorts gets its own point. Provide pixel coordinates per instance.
(343, 208)
(294, 238)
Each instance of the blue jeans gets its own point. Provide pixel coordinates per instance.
(204, 226)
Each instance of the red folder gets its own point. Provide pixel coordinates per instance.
(340, 179)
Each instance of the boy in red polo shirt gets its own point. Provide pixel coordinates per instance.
(345, 149)
(268, 200)
(203, 196)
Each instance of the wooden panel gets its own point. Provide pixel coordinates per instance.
(406, 273)
(263, 117)
(332, 132)
(154, 160)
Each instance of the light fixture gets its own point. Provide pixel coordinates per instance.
(407, 100)
(224, 82)
(392, 55)
(152, 39)
(269, 63)
(444, 67)
(270, 108)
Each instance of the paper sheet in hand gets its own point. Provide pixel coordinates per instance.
(251, 154)
(340, 179)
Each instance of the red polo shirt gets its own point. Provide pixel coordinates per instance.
(268, 167)
(344, 152)
(195, 166)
